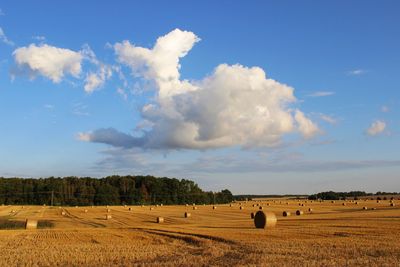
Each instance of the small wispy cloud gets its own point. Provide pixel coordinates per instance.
(385, 109)
(48, 106)
(4, 38)
(2, 12)
(328, 119)
(122, 93)
(377, 127)
(39, 38)
(356, 72)
(79, 109)
(321, 94)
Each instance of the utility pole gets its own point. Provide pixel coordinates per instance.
(52, 197)
(214, 197)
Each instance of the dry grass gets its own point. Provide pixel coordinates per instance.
(333, 235)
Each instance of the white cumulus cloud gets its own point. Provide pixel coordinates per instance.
(95, 81)
(49, 61)
(376, 128)
(234, 106)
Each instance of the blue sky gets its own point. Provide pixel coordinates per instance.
(179, 89)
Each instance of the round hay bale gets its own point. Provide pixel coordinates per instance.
(108, 217)
(264, 220)
(214, 207)
(241, 207)
(373, 209)
(365, 208)
(30, 224)
(310, 210)
(344, 204)
(186, 205)
(261, 208)
(252, 215)
(268, 204)
(332, 201)
(287, 203)
(63, 213)
(378, 201)
(356, 203)
(160, 219)
(86, 211)
(230, 205)
(108, 210)
(151, 208)
(254, 205)
(392, 204)
(187, 215)
(194, 208)
(130, 209)
(161, 204)
(299, 212)
(302, 205)
(194, 204)
(286, 214)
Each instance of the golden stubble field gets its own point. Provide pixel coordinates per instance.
(331, 235)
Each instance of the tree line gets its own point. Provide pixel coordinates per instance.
(111, 190)
(330, 195)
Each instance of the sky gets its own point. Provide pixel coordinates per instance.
(260, 97)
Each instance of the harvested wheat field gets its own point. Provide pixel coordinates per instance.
(332, 235)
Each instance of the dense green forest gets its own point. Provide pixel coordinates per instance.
(112, 190)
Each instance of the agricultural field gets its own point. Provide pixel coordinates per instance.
(332, 234)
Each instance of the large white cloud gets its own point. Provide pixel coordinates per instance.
(49, 61)
(235, 105)
(376, 128)
(160, 64)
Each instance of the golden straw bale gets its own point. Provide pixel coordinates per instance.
(264, 219)
(299, 212)
(286, 213)
(30, 224)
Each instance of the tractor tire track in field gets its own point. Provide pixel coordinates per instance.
(201, 243)
(150, 218)
(80, 220)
